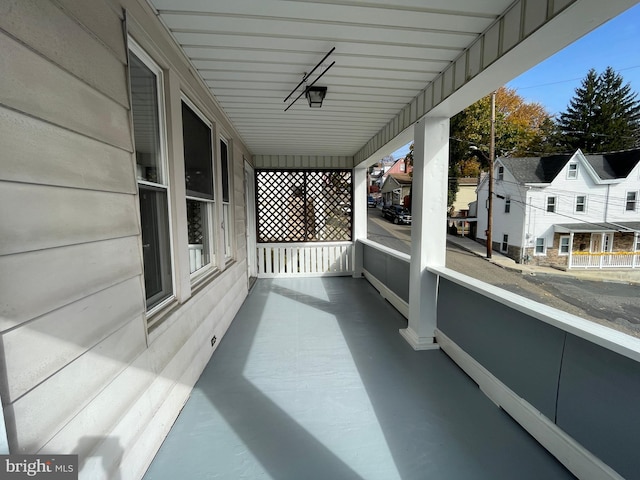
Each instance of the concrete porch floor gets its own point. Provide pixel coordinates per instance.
(313, 381)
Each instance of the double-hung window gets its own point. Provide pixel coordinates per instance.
(507, 204)
(540, 248)
(563, 248)
(151, 169)
(572, 171)
(551, 204)
(630, 204)
(226, 214)
(581, 204)
(500, 173)
(198, 173)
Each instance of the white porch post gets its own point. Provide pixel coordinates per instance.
(428, 229)
(570, 260)
(359, 216)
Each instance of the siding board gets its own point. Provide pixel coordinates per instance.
(55, 35)
(101, 20)
(35, 283)
(40, 348)
(46, 217)
(39, 414)
(39, 152)
(31, 84)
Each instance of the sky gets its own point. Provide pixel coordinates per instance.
(552, 83)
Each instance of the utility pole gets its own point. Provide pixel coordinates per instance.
(492, 151)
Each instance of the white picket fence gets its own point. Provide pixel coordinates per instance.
(304, 259)
(605, 260)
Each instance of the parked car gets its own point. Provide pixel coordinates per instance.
(371, 202)
(397, 214)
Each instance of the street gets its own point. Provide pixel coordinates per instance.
(613, 304)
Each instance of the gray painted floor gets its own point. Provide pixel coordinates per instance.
(313, 381)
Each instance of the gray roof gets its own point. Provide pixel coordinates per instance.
(608, 166)
(535, 169)
(586, 227)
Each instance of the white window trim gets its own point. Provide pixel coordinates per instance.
(500, 173)
(227, 230)
(502, 249)
(507, 202)
(635, 201)
(572, 171)
(555, 204)
(544, 247)
(150, 63)
(560, 252)
(575, 204)
(198, 274)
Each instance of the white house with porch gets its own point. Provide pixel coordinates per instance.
(568, 211)
(150, 173)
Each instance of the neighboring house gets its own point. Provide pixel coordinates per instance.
(399, 167)
(396, 187)
(465, 196)
(567, 211)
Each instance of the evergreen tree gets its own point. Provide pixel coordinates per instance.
(603, 115)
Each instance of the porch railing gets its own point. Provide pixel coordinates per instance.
(304, 259)
(605, 260)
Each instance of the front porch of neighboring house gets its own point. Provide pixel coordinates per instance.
(604, 246)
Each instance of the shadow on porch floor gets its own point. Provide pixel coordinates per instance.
(313, 381)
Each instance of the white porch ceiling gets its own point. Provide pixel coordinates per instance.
(252, 53)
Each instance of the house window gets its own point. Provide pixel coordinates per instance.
(581, 204)
(572, 171)
(637, 243)
(147, 104)
(504, 246)
(198, 177)
(507, 204)
(631, 202)
(500, 173)
(564, 245)
(540, 250)
(551, 204)
(226, 213)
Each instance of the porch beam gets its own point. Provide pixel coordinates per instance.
(428, 230)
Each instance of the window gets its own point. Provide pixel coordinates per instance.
(540, 246)
(551, 204)
(637, 243)
(581, 204)
(504, 246)
(572, 171)
(563, 248)
(507, 204)
(631, 202)
(226, 215)
(145, 79)
(198, 177)
(500, 173)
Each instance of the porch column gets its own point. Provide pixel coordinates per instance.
(428, 229)
(359, 217)
(570, 260)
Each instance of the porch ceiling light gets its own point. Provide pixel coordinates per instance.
(315, 96)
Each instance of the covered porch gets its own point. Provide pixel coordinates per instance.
(313, 381)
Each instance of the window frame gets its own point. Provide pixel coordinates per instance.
(572, 170)
(551, 204)
(226, 205)
(560, 245)
(208, 203)
(507, 204)
(500, 175)
(544, 247)
(634, 201)
(577, 204)
(504, 245)
(167, 295)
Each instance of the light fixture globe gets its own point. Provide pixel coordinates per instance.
(315, 96)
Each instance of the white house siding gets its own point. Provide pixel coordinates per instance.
(511, 223)
(81, 373)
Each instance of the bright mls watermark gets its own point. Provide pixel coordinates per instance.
(51, 467)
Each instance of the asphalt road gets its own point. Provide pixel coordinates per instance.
(612, 304)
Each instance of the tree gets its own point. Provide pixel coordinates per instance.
(519, 126)
(602, 116)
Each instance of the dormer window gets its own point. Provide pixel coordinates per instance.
(572, 172)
